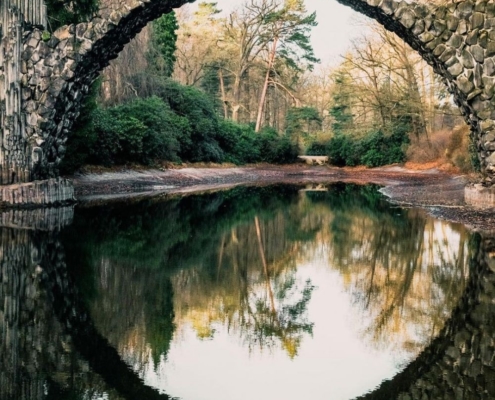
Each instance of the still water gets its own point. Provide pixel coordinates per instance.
(254, 293)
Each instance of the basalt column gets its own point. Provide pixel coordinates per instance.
(20, 151)
(18, 155)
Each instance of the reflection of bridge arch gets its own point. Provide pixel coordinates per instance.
(457, 39)
(459, 363)
(102, 357)
(32, 271)
(462, 356)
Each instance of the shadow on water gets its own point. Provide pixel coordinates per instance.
(87, 308)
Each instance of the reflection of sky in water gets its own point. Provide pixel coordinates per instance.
(340, 361)
(334, 364)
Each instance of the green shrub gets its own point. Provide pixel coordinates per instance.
(243, 145)
(342, 151)
(196, 107)
(163, 136)
(374, 150)
(382, 150)
(177, 124)
(276, 149)
(317, 149)
(239, 142)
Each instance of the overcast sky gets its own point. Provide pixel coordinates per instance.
(337, 24)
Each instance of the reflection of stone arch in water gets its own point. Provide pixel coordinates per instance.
(460, 362)
(461, 358)
(44, 98)
(37, 291)
(102, 357)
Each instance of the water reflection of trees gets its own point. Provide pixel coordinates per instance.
(208, 242)
(406, 272)
(231, 259)
(252, 288)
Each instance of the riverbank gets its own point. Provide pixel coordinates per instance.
(440, 193)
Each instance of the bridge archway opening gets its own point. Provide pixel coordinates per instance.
(457, 39)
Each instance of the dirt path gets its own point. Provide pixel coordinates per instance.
(442, 194)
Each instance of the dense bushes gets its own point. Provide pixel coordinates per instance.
(374, 150)
(177, 124)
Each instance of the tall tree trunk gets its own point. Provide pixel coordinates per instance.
(222, 89)
(261, 105)
(237, 98)
(432, 99)
(418, 117)
(265, 266)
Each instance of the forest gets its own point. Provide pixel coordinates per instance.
(202, 85)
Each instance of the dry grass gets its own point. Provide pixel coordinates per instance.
(445, 150)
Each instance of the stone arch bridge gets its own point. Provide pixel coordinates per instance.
(43, 78)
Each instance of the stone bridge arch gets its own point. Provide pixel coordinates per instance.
(44, 78)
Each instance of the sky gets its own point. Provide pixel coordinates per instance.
(337, 25)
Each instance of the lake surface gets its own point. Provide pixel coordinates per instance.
(282, 292)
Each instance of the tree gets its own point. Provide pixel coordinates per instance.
(163, 44)
(341, 110)
(286, 34)
(243, 37)
(197, 43)
(302, 122)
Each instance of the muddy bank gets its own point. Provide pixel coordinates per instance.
(442, 194)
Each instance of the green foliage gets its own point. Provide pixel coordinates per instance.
(473, 152)
(160, 137)
(178, 124)
(164, 38)
(317, 149)
(140, 131)
(240, 142)
(116, 135)
(301, 120)
(382, 150)
(202, 117)
(210, 84)
(69, 12)
(45, 36)
(374, 150)
(341, 111)
(243, 145)
(291, 26)
(342, 151)
(275, 149)
(82, 141)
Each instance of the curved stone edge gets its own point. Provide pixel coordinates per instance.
(50, 192)
(67, 65)
(458, 40)
(453, 363)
